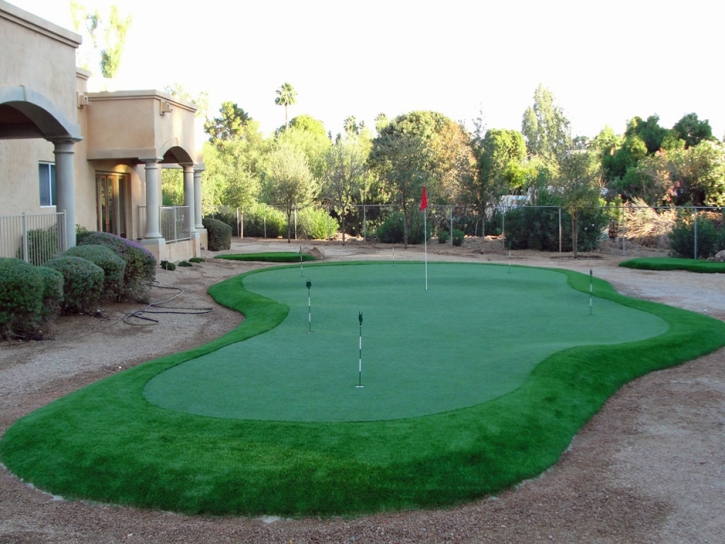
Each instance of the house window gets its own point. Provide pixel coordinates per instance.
(46, 177)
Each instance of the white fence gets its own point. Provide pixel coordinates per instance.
(174, 223)
(35, 238)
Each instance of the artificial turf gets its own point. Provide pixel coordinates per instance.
(474, 335)
(107, 442)
(670, 263)
(268, 257)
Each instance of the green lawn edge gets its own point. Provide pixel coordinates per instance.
(172, 461)
(672, 263)
(268, 257)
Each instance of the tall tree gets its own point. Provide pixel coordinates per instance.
(579, 187)
(289, 183)
(499, 156)
(201, 101)
(286, 96)
(346, 177)
(692, 130)
(545, 127)
(308, 135)
(105, 33)
(229, 125)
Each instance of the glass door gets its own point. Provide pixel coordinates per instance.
(111, 194)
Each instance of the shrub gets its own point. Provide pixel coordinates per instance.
(21, 296)
(220, 234)
(256, 218)
(228, 216)
(166, 265)
(81, 233)
(113, 267)
(458, 236)
(443, 236)
(196, 260)
(530, 227)
(313, 224)
(391, 229)
(42, 245)
(52, 291)
(140, 263)
(682, 237)
(82, 283)
(185, 264)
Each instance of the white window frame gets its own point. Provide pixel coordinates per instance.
(50, 179)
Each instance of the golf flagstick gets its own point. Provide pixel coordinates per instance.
(359, 363)
(424, 209)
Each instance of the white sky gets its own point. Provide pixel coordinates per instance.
(605, 62)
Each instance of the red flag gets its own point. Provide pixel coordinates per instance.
(423, 200)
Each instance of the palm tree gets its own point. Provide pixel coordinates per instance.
(286, 96)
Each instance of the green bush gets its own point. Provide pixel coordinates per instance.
(682, 237)
(196, 260)
(140, 263)
(21, 297)
(391, 229)
(313, 224)
(42, 245)
(185, 264)
(530, 227)
(220, 234)
(458, 236)
(256, 218)
(166, 265)
(52, 291)
(82, 283)
(228, 216)
(113, 267)
(443, 236)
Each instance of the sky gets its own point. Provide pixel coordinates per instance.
(604, 62)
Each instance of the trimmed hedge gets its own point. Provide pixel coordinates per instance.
(140, 270)
(113, 267)
(52, 291)
(220, 234)
(82, 285)
(21, 296)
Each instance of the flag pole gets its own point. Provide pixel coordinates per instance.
(425, 244)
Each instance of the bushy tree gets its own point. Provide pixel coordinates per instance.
(545, 127)
(289, 183)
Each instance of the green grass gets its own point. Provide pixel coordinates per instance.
(268, 257)
(670, 263)
(107, 442)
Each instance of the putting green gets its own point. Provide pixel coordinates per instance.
(475, 334)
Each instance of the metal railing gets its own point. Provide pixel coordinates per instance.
(34, 238)
(174, 223)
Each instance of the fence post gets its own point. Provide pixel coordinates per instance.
(176, 237)
(559, 229)
(25, 237)
(451, 221)
(695, 233)
(365, 225)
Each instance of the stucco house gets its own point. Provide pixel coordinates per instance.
(69, 156)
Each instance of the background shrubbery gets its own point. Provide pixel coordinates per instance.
(710, 235)
(391, 229)
(113, 267)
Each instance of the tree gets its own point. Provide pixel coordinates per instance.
(650, 131)
(106, 34)
(286, 96)
(289, 183)
(308, 135)
(346, 177)
(579, 187)
(692, 130)
(229, 125)
(201, 101)
(545, 127)
(499, 155)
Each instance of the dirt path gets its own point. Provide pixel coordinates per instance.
(648, 468)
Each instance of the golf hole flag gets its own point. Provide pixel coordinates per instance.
(423, 200)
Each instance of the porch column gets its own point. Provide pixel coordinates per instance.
(65, 187)
(197, 198)
(189, 197)
(152, 198)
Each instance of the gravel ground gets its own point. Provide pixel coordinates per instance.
(647, 468)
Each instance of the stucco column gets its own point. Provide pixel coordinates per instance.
(197, 198)
(189, 197)
(152, 199)
(65, 187)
